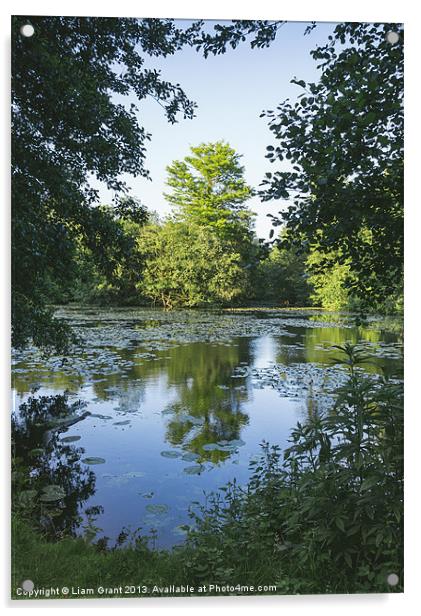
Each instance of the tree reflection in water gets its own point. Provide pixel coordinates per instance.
(208, 408)
(40, 459)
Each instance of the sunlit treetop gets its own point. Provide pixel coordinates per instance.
(208, 188)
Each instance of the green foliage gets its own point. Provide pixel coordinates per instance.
(343, 143)
(205, 253)
(329, 277)
(106, 265)
(281, 278)
(71, 122)
(235, 32)
(66, 128)
(118, 271)
(188, 265)
(328, 516)
(209, 189)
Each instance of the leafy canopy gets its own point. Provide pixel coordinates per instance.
(189, 265)
(69, 127)
(342, 143)
(328, 280)
(209, 189)
(71, 121)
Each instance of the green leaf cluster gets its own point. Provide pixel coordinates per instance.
(208, 188)
(189, 265)
(339, 151)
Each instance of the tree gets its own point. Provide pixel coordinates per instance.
(111, 273)
(209, 193)
(71, 122)
(343, 144)
(282, 278)
(188, 265)
(328, 278)
(67, 127)
(209, 189)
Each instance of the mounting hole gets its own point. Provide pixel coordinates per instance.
(28, 585)
(392, 37)
(392, 579)
(27, 30)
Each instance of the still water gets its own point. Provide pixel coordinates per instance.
(179, 403)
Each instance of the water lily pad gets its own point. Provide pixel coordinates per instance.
(57, 422)
(119, 480)
(167, 412)
(190, 457)
(210, 447)
(196, 469)
(237, 442)
(170, 454)
(93, 460)
(227, 448)
(52, 494)
(196, 421)
(157, 509)
(70, 439)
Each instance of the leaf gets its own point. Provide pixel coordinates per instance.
(157, 509)
(299, 82)
(52, 494)
(93, 460)
(197, 469)
(171, 454)
(70, 439)
(340, 524)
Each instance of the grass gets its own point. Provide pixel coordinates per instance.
(128, 571)
(74, 563)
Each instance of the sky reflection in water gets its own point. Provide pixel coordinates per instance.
(176, 419)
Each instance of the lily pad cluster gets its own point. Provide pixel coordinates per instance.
(106, 332)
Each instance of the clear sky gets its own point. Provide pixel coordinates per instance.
(231, 91)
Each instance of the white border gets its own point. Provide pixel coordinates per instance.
(304, 10)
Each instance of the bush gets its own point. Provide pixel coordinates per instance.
(189, 265)
(325, 517)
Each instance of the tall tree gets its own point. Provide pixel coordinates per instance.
(343, 144)
(209, 189)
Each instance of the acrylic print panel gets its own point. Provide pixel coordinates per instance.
(207, 298)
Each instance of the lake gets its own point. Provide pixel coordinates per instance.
(179, 403)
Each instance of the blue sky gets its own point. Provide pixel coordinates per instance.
(231, 91)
